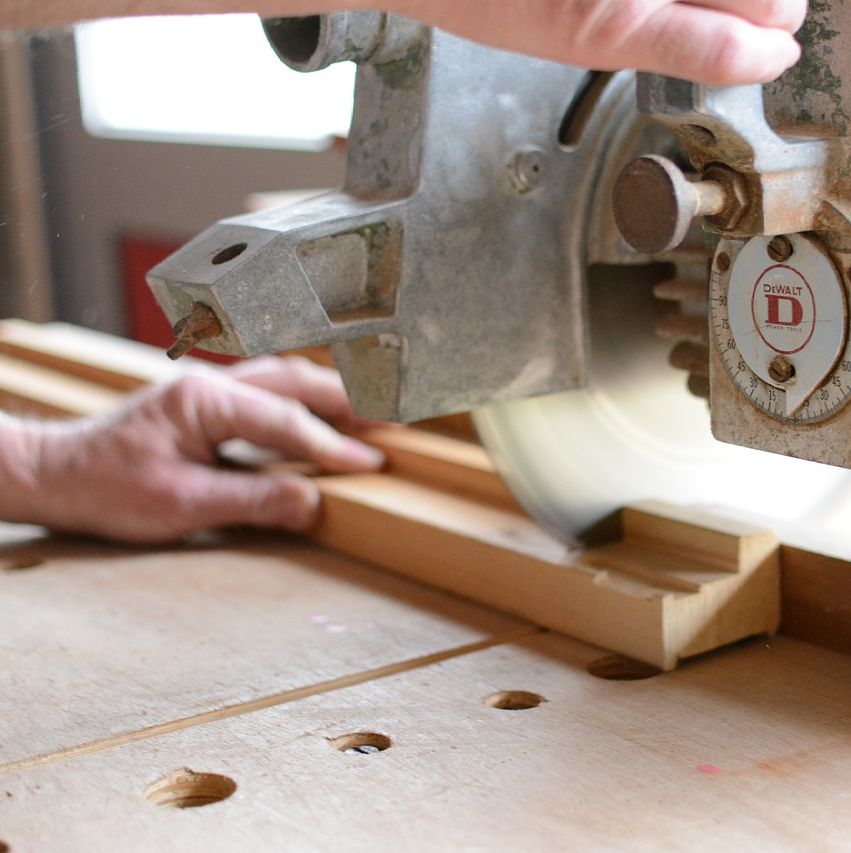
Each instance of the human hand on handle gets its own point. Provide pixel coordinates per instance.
(721, 42)
(146, 473)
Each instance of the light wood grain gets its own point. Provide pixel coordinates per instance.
(650, 596)
(86, 354)
(455, 466)
(816, 601)
(246, 657)
(96, 640)
(745, 750)
(31, 389)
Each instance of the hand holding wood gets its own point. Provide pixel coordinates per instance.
(147, 473)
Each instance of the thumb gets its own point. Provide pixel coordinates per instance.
(227, 498)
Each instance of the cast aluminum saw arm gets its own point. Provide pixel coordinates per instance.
(462, 223)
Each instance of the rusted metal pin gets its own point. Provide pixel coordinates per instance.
(201, 324)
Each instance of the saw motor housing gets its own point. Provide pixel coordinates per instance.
(451, 232)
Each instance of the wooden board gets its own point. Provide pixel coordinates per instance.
(30, 389)
(122, 666)
(85, 354)
(97, 640)
(743, 750)
(816, 598)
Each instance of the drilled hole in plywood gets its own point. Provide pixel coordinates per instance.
(361, 743)
(514, 700)
(620, 668)
(186, 789)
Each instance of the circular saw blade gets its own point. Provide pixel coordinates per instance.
(573, 459)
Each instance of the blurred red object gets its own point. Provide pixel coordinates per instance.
(145, 320)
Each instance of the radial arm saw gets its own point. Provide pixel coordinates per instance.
(583, 258)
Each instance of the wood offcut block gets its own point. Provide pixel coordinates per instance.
(709, 581)
(679, 582)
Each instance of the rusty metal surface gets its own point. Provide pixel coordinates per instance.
(785, 156)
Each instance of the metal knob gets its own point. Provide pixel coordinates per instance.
(654, 203)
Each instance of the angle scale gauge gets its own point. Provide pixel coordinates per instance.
(779, 315)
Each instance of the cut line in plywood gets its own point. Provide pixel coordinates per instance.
(97, 641)
(261, 703)
(677, 584)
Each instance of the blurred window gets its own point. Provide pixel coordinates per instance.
(210, 79)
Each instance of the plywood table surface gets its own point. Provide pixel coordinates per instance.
(248, 658)
(747, 750)
(96, 641)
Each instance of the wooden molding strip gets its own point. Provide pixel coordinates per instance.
(27, 388)
(59, 370)
(101, 359)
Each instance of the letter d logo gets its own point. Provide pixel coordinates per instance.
(784, 310)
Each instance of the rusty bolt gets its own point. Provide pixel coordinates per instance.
(781, 369)
(780, 249)
(201, 324)
(735, 197)
(723, 261)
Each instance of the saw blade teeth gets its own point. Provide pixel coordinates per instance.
(683, 327)
(691, 357)
(682, 290)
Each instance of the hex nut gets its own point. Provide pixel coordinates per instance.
(737, 197)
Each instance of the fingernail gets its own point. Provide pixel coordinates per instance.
(362, 454)
(306, 513)
(785, 53)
